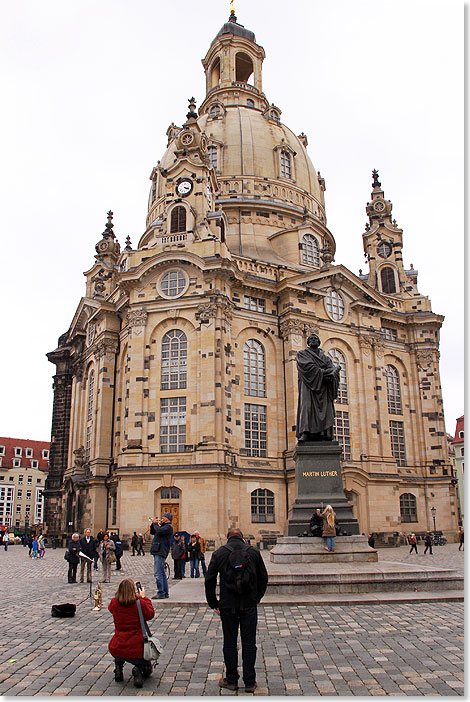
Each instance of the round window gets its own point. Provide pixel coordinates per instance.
(385, 249)
(334, 303)
(173, 283)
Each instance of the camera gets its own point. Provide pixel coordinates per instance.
(138, 586)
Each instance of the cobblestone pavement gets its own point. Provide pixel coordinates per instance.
(402, 649)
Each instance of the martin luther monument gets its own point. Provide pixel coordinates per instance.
(317, 456)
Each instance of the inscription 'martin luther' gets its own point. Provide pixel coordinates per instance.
(319, 473)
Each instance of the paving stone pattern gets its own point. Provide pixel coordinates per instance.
(398, 650)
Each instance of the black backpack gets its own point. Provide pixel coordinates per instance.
(240, 573)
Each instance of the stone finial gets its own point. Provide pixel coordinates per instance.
(128, 244)
(326, 255)
(375, 182)
(192, 114)
(108, 232)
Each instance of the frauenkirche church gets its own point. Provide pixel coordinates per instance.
(176, 383)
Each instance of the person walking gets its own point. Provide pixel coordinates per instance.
(178, 551)
(119, 551)
(162, 531)
(29, 541)
(140, 550)
(461, 540)
(243, 582)
(194, 552)
(98, 540)
(413, 543)
(73, 549)
(42, 546)
(202, 556)
(107, 557)
(35, 548)
(329, 530)
(127, 643)
(88, 547)
(428, 543)
(134, 543)
(6, 540)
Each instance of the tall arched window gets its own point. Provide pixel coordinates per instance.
(408, 512)
(286, 170)
(215, 73)
(243, 67)
(310, 250)
(212, 155)
(387, 278)
(393, 390)
(340, 361)
(89, 424)
(174, 360)
(254, 368)
(262, 506)
(178, 220)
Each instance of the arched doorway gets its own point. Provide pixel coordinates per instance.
(168, 499)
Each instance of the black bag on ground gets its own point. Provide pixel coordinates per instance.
(63, 610)
(240, 575)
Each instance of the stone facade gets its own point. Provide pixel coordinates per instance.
(176, 385)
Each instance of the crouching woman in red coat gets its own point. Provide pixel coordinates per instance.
(127, 643)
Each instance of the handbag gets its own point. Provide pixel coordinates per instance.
(67, 555)
(63, 610)
(152, 646)
(111, 557)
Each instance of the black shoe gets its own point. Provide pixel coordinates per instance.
(138, 679)
(118, 674)
(147, 671)
(159, 597)
(228, 686)
(251, 688)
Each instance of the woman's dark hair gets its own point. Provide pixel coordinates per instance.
(125, 594)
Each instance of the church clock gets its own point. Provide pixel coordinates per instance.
(184, 187)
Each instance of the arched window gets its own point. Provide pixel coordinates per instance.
(387, 278)
(274, 115)
(393, 390)
(254, 368)
(215, 73)
(408, 512)
(250, 102)
(174, 360)
(212, 154)
(243, 67)
(340, 361)
(310, 250)
(178, 219)
(286, 170)
(89, 425)
(170, 493)
(262, 506)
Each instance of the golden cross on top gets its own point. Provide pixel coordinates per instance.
(232, 7)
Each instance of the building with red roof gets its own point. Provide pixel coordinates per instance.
(24, 465)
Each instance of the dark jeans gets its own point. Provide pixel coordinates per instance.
(140, 550)
(246, 619)
(414, 547)
(118, 562)
(72, 574)
(178, 568)
(203, 565)
(428, 546)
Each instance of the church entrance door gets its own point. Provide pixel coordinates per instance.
(175, 511)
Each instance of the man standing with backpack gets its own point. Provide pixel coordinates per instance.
(243, 582)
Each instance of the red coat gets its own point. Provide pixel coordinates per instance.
(128, 640)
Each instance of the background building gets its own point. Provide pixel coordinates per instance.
(176, 387)
(23, 470)
(458, 445)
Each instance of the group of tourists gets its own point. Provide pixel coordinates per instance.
(191, 551)
(106, 548)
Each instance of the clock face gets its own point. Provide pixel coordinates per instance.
(184, 187)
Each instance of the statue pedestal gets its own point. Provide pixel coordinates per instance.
(310, 549)
(319, 482)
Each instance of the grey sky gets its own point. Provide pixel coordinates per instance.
(89, 89)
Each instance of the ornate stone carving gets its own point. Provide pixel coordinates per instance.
(77, 369)
(79, 460)
(136, 320)
(106, 348)
(425, 357)
(206, 311)
(297, 327)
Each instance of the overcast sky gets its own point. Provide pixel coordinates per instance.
(89, 89)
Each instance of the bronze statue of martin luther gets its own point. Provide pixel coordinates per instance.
(318, 389)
